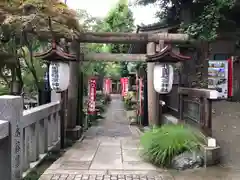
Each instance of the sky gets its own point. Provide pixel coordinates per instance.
(100, 8)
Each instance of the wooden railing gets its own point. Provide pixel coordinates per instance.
(26, 136)
(172, 101)
(195, 107)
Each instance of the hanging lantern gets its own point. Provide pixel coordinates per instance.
(59, 76)
(163, 72)
(163, 78)
(58, 69)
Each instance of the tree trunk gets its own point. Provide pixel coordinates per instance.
(15, 87)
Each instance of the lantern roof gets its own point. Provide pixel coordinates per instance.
(167, 55)
(158, 27)
(55, 53)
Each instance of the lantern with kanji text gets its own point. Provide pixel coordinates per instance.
(59, 73)
(163, 72)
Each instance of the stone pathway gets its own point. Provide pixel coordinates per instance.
(110, 151)
(226, 128)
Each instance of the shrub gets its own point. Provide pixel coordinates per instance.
(99, 96)
(160, 145)
(108, 98)
(128, 103)
(101, 108)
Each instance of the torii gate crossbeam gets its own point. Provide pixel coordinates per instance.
(109, 57)
(130, 38)
(116, 37)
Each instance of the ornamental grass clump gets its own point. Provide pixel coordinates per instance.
(161, 145)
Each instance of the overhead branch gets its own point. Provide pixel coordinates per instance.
(31, 66)
(19, 73)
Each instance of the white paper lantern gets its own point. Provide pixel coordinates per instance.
(59, 76)
(163, 78)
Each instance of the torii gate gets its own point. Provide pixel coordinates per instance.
(121, 38)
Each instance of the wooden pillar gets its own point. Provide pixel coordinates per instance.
(145, 100)
(72, 94)
(153, 99)
(73, 131)
(81, 94)
(160, 97)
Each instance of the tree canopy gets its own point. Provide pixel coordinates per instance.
(17, 18)
(120, 19)
(33, 15)
(206, 17)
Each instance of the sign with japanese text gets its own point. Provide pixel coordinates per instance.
(92, 96)
(110, 86)
(55, 80)
(124, 85)
(140, 95)
(59, 76)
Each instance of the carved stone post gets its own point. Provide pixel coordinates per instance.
(73, 131)
(153, 97)
(55, 96)
(11, 110)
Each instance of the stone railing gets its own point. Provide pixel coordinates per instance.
(26, 136)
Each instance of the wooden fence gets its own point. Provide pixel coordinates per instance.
(192, 106)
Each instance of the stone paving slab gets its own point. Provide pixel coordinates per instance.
(74, 171)
(129, 143)
(105, 177)
(85, 156)
(138, 165)
(131, 155)
(107, 157)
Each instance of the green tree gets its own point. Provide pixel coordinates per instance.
(113, 69)
(206, 18)
(110, 69)
(28, 70)
(88, 22)
(119, 19)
